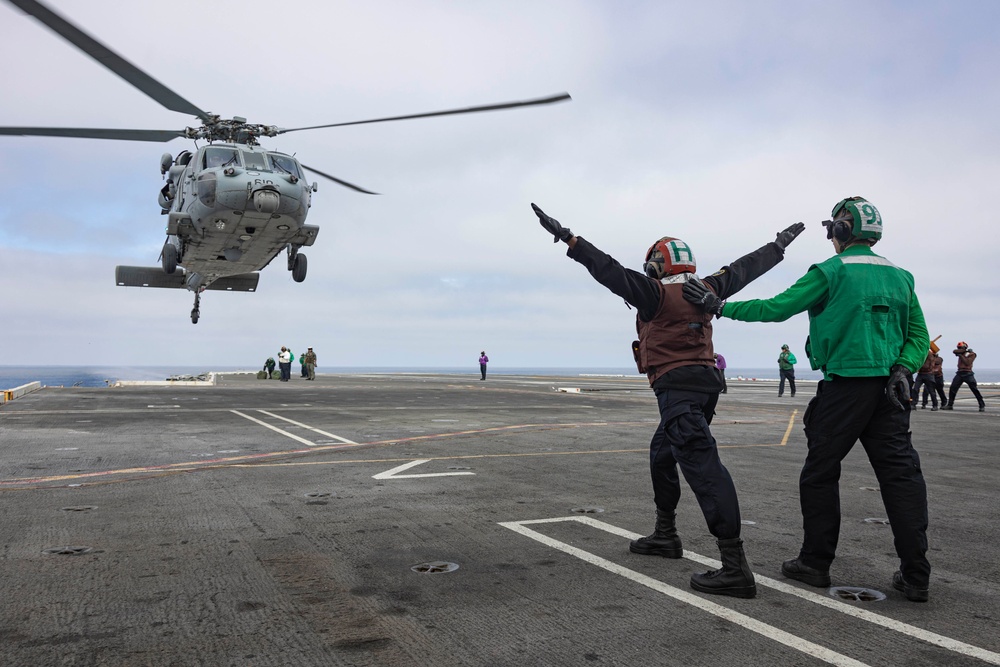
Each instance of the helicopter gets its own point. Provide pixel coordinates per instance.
(231, 205)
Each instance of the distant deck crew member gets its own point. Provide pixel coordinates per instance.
(720, 363)
(309, 363)
(786, 369)
(964, 375)
(285, 364)
(483, 360)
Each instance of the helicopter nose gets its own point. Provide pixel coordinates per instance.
(266, 201)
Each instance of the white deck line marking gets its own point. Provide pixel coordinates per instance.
(314, 430)
(750, 623)
(822, 600)
(275, 428)
(391, 474)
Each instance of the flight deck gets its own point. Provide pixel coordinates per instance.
(440, 520)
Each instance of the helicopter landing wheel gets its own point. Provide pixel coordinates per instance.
(299, 267)
(195, 312)
(169, 258)
(194, 316)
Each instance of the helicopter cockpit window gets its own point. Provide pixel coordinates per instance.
(255, 161)
(220, 157)
(286, 164)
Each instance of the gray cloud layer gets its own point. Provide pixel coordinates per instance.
(717, 123)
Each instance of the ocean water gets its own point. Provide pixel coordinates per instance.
(102, 376)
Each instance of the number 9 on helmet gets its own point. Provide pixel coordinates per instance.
(854, 218)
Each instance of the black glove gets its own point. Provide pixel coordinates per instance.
(552, 226)
(898, 388)
(697, 293)
(788, 235)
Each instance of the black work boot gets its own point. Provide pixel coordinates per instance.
(912, 593)
(947, 406)
(734, 578)
(799, 571)
(663, 542)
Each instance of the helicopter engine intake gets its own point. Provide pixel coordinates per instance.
(266, 200)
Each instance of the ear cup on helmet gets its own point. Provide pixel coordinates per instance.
(842, 230)
(861, 220)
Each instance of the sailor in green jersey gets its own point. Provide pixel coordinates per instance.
(786, 369)
(867, 334)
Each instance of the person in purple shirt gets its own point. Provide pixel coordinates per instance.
(720, 363)
(483, 360)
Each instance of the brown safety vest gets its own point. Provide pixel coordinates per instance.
(680, 334)
(938, 366)
(965, 361)
(928, 366)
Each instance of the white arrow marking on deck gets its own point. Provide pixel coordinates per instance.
(750, 623)
(392, 474)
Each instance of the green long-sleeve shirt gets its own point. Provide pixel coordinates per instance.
(811, 293)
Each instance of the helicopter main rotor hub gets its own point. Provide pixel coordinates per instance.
(234, 131)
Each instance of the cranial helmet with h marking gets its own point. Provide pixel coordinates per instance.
(669, 256)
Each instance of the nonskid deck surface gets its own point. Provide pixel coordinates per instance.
(442, 520)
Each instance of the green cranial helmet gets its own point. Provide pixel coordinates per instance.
(867, 221)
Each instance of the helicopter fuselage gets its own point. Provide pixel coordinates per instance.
(231, 209)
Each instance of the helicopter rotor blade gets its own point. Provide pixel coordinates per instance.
(491, 107)
(92, 133)
(338, 181)
(109, 59)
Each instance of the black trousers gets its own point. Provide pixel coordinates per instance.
(286, 370)
(937, 387)
(790, 376)
(482, 369)
(844, 411)
(924, 380)
(683, 440)
(969, 378)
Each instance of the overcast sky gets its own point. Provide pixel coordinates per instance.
(716, 122)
